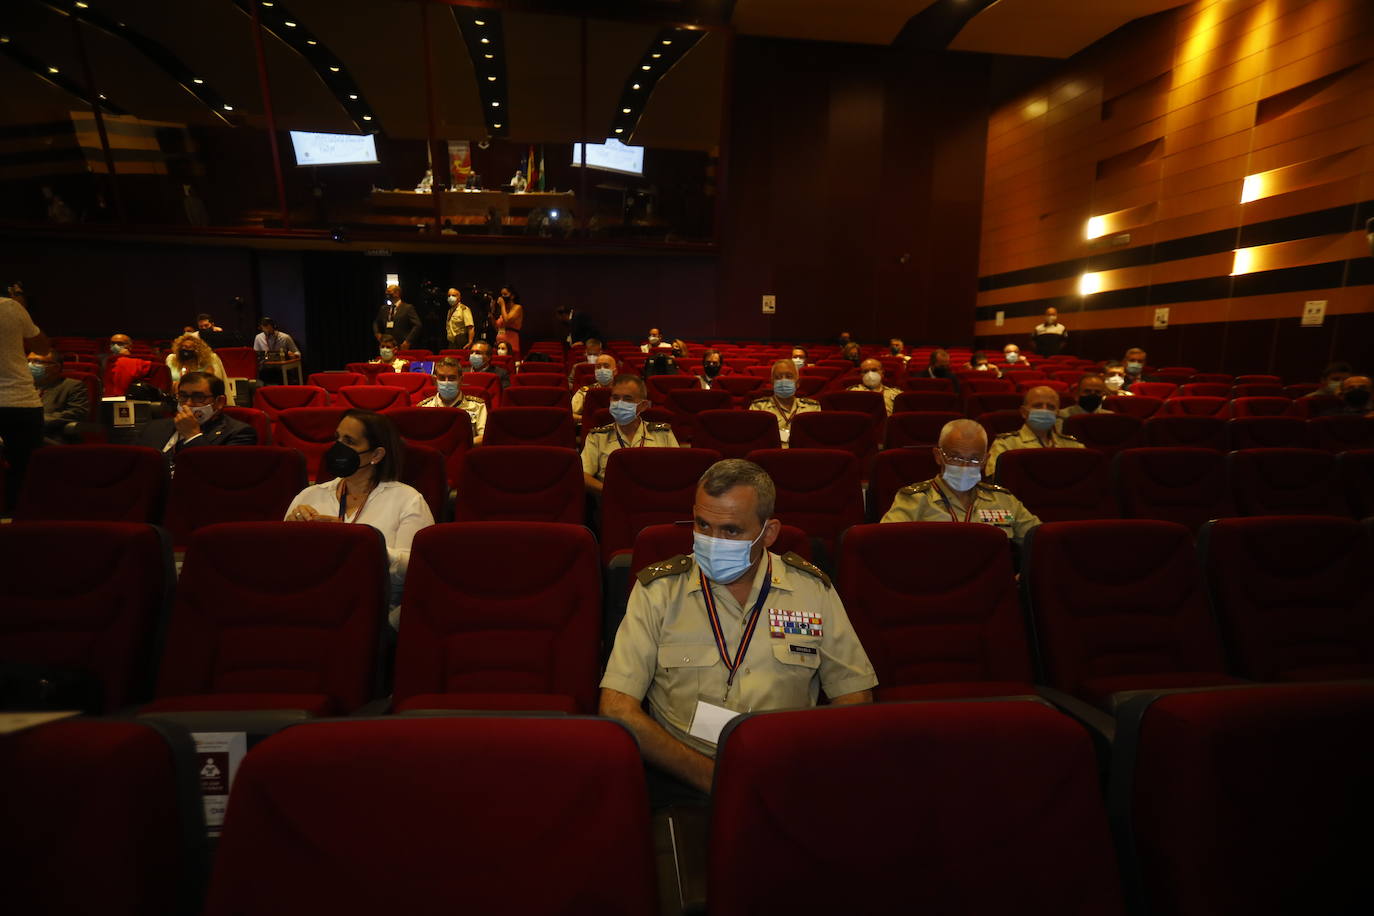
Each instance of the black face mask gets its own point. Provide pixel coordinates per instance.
(187, 355)
(1090, 402)
(896, 351)
(939, 371)
(342, 460)
(1357, 397)
(712, 370)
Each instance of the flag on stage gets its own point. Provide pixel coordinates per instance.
(530, 175)
(541, 167)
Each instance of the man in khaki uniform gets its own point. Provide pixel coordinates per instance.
(959, 494)
(1040, 410)
(458, 326)
(783, 403)
(448, 376)
(801, 640)
(629, 399)
(872, 380)
(605, 374)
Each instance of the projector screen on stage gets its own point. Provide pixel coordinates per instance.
(611, 156)
(333, 149)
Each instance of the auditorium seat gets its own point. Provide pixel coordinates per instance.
(1315, 406)
(1193, 407)
(661, 542)
(1106, 432)
(1340, 434)
(1214, 378)
(845, 430)
(1300, 389)
(997, 422)
(536, 379)
(487, 384)
(736, 433)
(522, 634)
(531, 426)
(973, 807)
(1258, 380)
(1059, 484)
(982, 383)
(1204, 390)
(1138, 406)
(872, 403)
(451, 813)
(1193, 432)
(1284, 481)
(986, 402)
(101, 817)
(309, 430)
(331, 382)
(648, 486)
(251, 483)
(93, 483)
(1173, 484)
(1291, 595)
(370, 371)
(417, 385)
(743, 387)
(818, 491)
(537, 396)
(595, 399)
(1162, 390)
(687, 404)
(893, 469)
(447, 429)
(1119, 606)
(660, 385)
(376, 398)
(926, 401)
(920, 383)
(294, 627)
(955, 630)
(1260, 407)
(916, 427)
(1266, 432)
(425, 469)
(1251, 801)
(519, 483)
(1260, 391)
(89, 627)
(273, 399)
(259, 420)
(583, 373)
(1355, 481)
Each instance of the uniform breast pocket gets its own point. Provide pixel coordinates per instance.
(681, 666)
(799, 657)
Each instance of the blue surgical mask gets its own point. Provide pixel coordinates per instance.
(387, 354)
(624, 412)
(603, 376)
(961, 478)
(117, 349)
(721, 559)
(1134, 367)
(1041, 420)
(477, 360)
(37, 370)
(448, 388)
(784, 387)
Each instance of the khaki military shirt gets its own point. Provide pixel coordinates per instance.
(476, 409)
(1025, 437)
(992, 505)
(603, 440)
(889, 394)
(665, 647)
(785, 417)
(579, 398)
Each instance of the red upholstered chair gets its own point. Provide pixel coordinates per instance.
(997, 422)
(872, 403)
(415, 354)
(294, 627)
(539, 380)
(1266, 432)
(1340, 434)
(488, 383)
(660, 542)
(259, 420)
(885, 767)
(371, 397)
(1300, 389)
(519, 483)
(1172, 376)
(1162, 390)
(742, 387)
(446, 429)
(1291, 595)
(982, 383)
(1067, 376)
(687, 404)
(595, 399)
(808, 386)
(96, 619)
(251, 483)
(238, 362)
(918, 383)
(583, 373)
(333, 381)
(1186, 798)
(895, 468)
(93, 483)
(847, 430)
(1173, 484)
(1261, 391)
(1119, 606)
(109, 797)
(416, 384)
(570, 787)
(524, 635)
(736, 433)
(1213, 378)
(975, 404)
(1315, 406)
(916, 428)
(648, 486)
(955, 630)
(1193, 432)
(531, 426)
(1355, 478)
(1204, 390)
(1105, 432)
(819, 491)
(660, 385)
(1260, 407)
(273, 399)
(1194, 407)
(926, 401)
(536, 396)
(1284, 481)
(369, 370)
(1137, 406)
(309, 430)
(424, 468)
(1060, 484)
(1258, 380)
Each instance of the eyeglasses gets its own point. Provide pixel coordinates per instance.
(960, 461)
(196, 398)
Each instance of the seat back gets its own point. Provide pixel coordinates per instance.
(370, 371)
(309, 430)
(1105, 432)
(425, 469)
(259, 420)
(1258, 380)
(1355, 478)
(519, 483)
(371, 397)
(1266, 432)
(997, 422)
(926, 401)
(846, 430)
(735, 433)
(1340, 434)
(445, 429)
(916, 427)
(238, 362)
(1059, 484)
(1284, 481)
(687, 404)
(533, 379)
(1260, 391)
(1193, 432)
(306, 626)
(918, 383)
(531, 426)
(648, 486)
(93, 483)
(873, 403)
(251, 483)
(1204, 390)
(983, 383)
(660, 385)
(980, 403)
(1173, 484)
(1193, 407)
(819, 491)
(333, 381)
(1215, 378)
(417, 385)
(537, 396)
(1260, 407)
(1138, 406)
(1162, 390)
(273, 399)
(895, 468)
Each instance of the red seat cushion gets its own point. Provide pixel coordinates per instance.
(315, 704)
(502, 702)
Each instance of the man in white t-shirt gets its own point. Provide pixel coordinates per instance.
(21, 408)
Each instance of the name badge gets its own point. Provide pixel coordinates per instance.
(391, 324)
(709, 720)
(784, 435)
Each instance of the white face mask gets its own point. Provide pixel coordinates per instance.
(872, 379)
(203, 413)
(452, 300)
(1013, 357)
(798, 362)
(1114, 381)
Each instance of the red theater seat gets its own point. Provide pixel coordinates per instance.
(1194, 407)
(487, 382)
(997, 422)
(1107, 433)
(417, 385)
(524, 634)
(537, 396)
(1193, 432)
(1260, 391)
(1284, 481)
(1316, 406)
(648, 486)
(531, 426)
(93, 483)
(456, 806)
(819, 491)
(872, 403)
(425, 469)
(736, 433)
(982, 776)
(660, 385)
(370, 371)
(260, 421)
(846, 430)
(445, 429)
(917, 427)
(982, 384)
(1138, 406)
(333, 381)
(1204, 390)
(376, 398)
(918, 383)
(1059, 484)
(1119, 606)
(1183, 485)
(295, 627)
(975, 404)
(531, 379)
(743, 387)
(1266, 432)
(273, 399)
(1258, 380)
(519, 483)
(895, 468)
(687, 404)
(1260, 407)
(251, 483)
(1341, 434)
(926, 401)
(1214, 378)
(955, 630)
(309, 430)
(1161, 390)
(1355, 479)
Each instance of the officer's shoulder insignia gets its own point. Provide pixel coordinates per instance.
(1014, 434)
(604, 429)
(985, 485)
(796, 562)
(658, 427)
(1067, 436)
(583, 389)
(810, 402)
(673, 566)
(913, 489)
(758, 401)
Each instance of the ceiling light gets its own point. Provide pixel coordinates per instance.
(478, 22)
(655, 56)
(495, 104)
(367, 117)
(635, 86)
(1089, 283)
(491, 79)
(497, 124)
(311, 41)
(1243, 261)
(4, 39)
(620, 130)
(1252, 188)
(488, 56)
(102, 95)
(228, 107)
(81, 6)
(353, 97)
(1097, 226)
(333, 69)
(289, 24)
(624, 111)
(266, 3)
(645, 67)
(486, 41)
(198, 81)
(52, 69)
(667, 41)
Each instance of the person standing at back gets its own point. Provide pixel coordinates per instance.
(21, 408)
(397, 318)
(1049, 336)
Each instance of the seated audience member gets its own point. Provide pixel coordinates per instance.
(120, 369)
(733, 570)
(852, 352)
(271, 340)
(897, 348)
(503, 348)
(65, 400)
(652, 341)
(960, 494)
(386, 354)
(205, 325)
(1014, 358)
(844, 340)
(800, 358)
(1135, 365)
(191, 354)
(712, 368)
(1040, 410)
(591, 353)
(1332, 377)
(783, 403)
(603, 376)
(366, 462)
(872, 380)
(1114, 375)
(661, 361)
(629, 399)
(1355, 398)
(200, 419)
(979, 361)
(479, 360)
(1090, 394)
(448, 379)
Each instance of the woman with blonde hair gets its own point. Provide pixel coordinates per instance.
(191, 354)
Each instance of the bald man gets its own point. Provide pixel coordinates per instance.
(783, 403)
(960, 494)
(1040, 413)
(871, 379)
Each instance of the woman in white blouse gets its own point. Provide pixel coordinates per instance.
(366, 460)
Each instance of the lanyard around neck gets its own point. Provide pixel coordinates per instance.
(750, 623)
(968, 516)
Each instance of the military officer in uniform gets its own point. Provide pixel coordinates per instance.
(604, 374)
(629, 399)
(959, 494)
(783, 403)
(448, 376)
(732, 628)
(872, 380)
(1040, 410)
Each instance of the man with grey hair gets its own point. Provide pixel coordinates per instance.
(731, 628)
(629, 399)
(960, 494)
(1040, 411)
(448, 382)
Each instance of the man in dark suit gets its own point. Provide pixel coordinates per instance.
(397, 318)
(580, 325)
(200, 419)
(65, 400)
